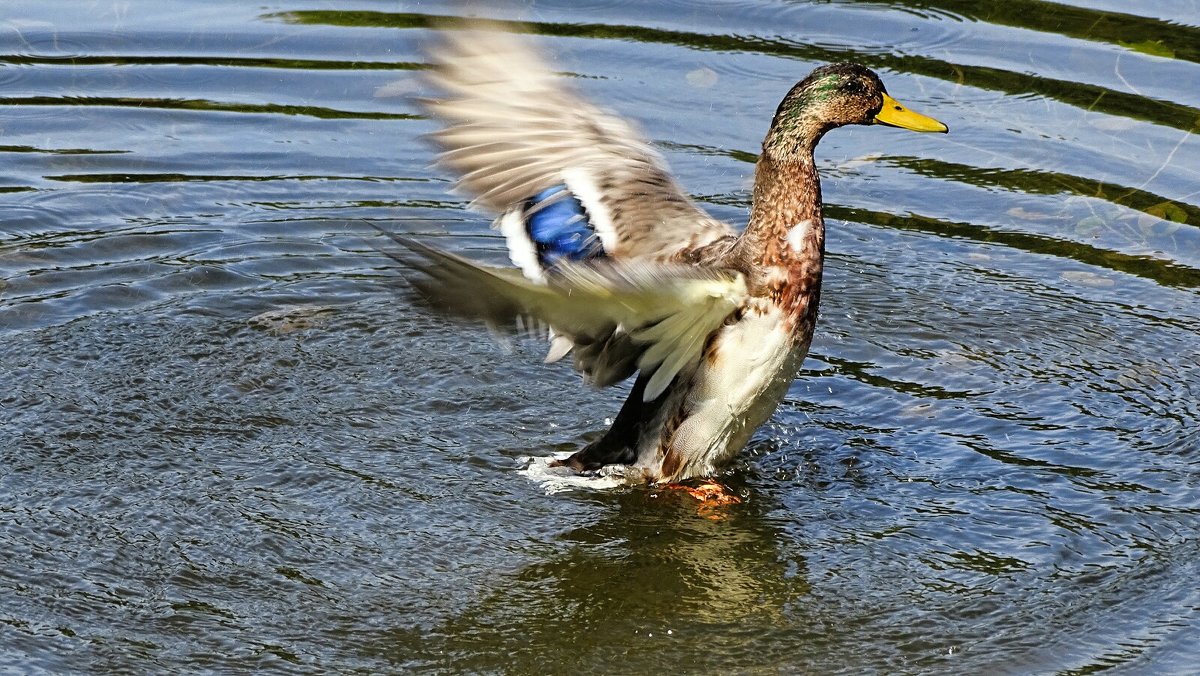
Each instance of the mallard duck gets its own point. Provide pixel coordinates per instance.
(621, 268)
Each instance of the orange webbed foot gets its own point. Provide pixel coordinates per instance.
(711, 494)
(708, 491)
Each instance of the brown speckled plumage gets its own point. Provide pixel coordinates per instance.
(786, 193)
(717, 323)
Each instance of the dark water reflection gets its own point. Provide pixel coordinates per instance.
(227, 441)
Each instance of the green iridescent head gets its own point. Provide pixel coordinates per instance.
(832, 96)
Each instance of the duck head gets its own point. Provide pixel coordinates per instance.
(833, 96)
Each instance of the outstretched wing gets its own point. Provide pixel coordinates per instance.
(569, 180)
(620, 316)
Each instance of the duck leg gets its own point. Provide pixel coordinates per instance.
(619, 444)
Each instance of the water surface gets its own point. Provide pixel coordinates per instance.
(228, 440)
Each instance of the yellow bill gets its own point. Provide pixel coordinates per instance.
(895, 115)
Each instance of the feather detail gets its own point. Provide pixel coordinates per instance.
(585, 190)
(547, 228)
(559, 226)
(559, 347)
(522, 251)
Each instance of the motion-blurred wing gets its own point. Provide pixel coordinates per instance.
(623, 317)
(570, 181)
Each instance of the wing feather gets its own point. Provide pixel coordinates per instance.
(616, 314)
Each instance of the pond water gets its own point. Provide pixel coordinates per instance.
(228, 440)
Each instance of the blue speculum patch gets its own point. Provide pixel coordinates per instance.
(558, 225)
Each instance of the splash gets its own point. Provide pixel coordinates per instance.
(561, 479)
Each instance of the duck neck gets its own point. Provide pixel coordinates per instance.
(787, 193)
(786, 234)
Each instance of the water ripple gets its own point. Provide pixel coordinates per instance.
(229, 440)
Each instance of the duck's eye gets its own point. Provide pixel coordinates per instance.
(854, 87)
